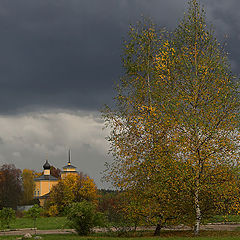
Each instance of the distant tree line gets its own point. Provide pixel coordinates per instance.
(10, 186)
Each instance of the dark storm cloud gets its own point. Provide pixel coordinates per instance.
(225, 17)
(66, 54)
(63, 53)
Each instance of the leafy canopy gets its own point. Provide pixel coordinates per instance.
(174, 128)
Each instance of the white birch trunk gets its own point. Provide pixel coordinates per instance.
(198, 213)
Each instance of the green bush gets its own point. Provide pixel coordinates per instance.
(83, 217)
(7, 215)
(34, 212)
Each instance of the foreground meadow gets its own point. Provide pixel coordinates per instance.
(49, 223)
(166, 235)
(43, 223)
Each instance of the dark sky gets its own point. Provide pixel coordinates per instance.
(59, 60)
(66, 54)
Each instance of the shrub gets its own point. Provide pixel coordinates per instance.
(19, 214)
(53, 211)
(83, 217)
(7, 215)
(34, 212)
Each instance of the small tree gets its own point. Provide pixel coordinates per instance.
(34, 213)
(7, 215)
(28, 186)
(83, 217)
(53, 211)
(113, 204)
(73, 188)
(10, 186)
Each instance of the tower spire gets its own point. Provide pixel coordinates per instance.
(69, 156)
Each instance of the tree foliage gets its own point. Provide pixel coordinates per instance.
(83, 217)
(55, 172)
(28, 186)
(7, 215)
(73, 188)
(174, 128)
(202, 100)
(112, 204)
(139, 137)
(34, 213)
(10, 186)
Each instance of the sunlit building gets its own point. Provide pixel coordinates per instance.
(45, 182)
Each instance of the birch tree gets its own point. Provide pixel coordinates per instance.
(139, 133)
(174, 129)
(203, 101)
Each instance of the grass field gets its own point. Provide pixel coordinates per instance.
(205, 235)
(228, 218)
(43, 223)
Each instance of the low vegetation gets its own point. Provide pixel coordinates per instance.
(83, 217)
(7, 215)
(43, 223)
(179, 235)
(47, 223)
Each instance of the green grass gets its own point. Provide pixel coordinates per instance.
(43, 223)
(220, 218)
(165, 236)
(173, 235)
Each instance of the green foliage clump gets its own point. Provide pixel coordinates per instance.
(34, 213)
(53, 211)
(83, 217)
(113, 204)
(7, 215)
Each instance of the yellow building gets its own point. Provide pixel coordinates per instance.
(44, 183)
(69, 168)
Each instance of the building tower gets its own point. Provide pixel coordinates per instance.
(46, 167)
(69, 168)
(44, 184)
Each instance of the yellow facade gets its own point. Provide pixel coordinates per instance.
(68, 171)
(44, 183)
(42, 201)
(37, 191)
(43, 187)
(63, 175)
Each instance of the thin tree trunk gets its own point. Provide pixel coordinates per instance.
(135, 226)
(197, 207)
(35, 227)
(158, 228)
(198, 213)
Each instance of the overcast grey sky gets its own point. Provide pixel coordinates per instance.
(59, 60)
